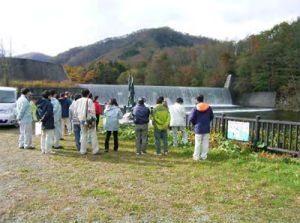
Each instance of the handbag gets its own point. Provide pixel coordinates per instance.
(91, 122)
(38, 128)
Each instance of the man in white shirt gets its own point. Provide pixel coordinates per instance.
(178, 121)
(84, 110)
(24, 117)
(57, 119)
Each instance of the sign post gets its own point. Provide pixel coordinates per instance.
(238, 130)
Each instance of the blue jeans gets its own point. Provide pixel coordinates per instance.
(77, 135)
(161, 134)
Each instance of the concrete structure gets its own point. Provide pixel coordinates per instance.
(258, 99)
(30, 70)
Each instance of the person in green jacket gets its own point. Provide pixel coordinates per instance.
(161, 122)
(33, 109)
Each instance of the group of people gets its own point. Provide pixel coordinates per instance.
(174, 116)
(81, 116)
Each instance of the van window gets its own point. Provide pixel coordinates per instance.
(7, 96)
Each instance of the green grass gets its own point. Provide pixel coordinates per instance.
(233, 185)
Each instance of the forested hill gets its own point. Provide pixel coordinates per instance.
(143, 42)
(35, 56)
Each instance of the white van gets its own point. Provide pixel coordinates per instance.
(8, 99)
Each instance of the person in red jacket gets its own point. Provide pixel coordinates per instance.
(98, 110)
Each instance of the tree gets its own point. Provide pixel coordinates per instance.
(4, 65)
(159, 70)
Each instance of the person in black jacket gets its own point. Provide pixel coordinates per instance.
(141, 119)
(65, 103)
(45, 115)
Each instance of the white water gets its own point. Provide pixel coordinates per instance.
(214, 96)
(218, 98)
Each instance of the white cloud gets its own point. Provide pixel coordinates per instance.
(53, 26)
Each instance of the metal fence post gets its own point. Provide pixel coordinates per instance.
(223, 125)
(257, 130)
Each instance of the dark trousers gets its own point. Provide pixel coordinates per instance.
(141, 137)
(161, 135)
(77, 130)
(97, 121)
(116, 141)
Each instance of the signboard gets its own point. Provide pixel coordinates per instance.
(238, 130)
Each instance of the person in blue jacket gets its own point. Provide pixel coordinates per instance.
(45, 115)
(112, 114)
(24, 117)
(141, 119)
(200, 117)
(65, 103)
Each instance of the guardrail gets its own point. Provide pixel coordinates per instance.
(282, 136)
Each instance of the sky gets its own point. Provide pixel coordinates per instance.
(54, 26)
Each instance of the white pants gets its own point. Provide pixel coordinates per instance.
(184, 133)
(84, 139)
(66, 122)
(201, 146)
(25, 138)
(47, 140)
(57, 133)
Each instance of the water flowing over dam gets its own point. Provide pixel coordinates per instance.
(214, 96)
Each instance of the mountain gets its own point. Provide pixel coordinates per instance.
(143, 42)
(35, 56)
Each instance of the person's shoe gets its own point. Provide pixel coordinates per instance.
(50, 153)
(29, 147)
(165, 153)
(138, 154)
(144, 152)
(62, 139)
(21, 147)
(96, 153)
(158, 154)
(83, 153)
(57, 147)
(106, 151)
(195, 159)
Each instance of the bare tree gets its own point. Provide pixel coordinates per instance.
(4, 64)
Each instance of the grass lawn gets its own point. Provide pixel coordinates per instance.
(233, 185)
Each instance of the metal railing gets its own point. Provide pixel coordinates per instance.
(282, 136)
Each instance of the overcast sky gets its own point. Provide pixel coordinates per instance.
(54, 26)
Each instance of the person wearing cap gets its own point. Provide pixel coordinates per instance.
(141, 119)
(178, 121)
(161, 122)
(200, 117)
(24, 117)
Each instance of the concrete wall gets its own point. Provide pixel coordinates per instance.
(258, 99)
(29, 70)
